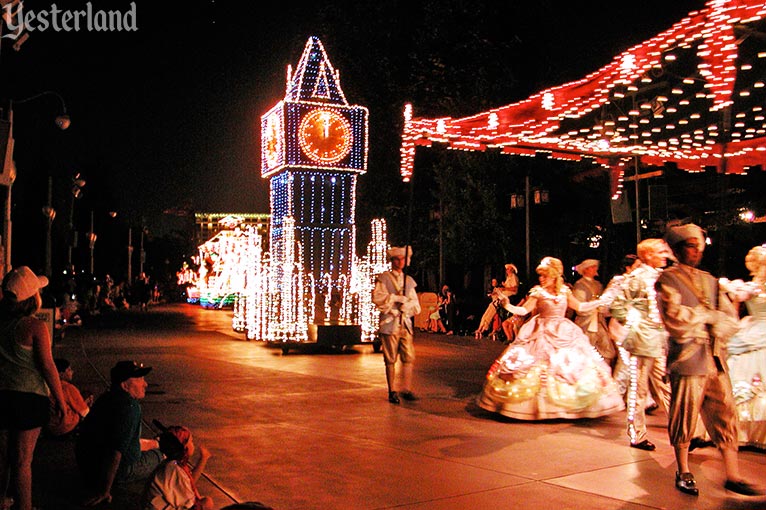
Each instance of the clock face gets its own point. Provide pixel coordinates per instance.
(325, 136)
(272, 145)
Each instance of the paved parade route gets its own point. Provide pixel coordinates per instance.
(314, 430)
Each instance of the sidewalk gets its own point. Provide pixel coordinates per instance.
(314, 430)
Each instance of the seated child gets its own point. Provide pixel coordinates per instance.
(77, 407)
(173, 485)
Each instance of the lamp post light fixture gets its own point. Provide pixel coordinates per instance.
(77, 185)
(62, 120)
(49, 213)
(536, 196)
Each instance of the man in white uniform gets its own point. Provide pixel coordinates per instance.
(394, 295)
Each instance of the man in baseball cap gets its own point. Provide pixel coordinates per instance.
(125, 370)
(110, 436)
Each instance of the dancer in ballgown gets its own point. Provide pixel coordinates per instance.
(747, 356)
(551, 370)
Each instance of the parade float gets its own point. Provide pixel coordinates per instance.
(223, 263)
(311, 287)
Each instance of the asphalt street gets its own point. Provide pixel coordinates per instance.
(313, 429)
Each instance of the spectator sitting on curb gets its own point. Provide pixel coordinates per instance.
(76, 408)
(110, 449)
(173, 485)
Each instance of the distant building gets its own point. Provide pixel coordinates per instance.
(207, 225)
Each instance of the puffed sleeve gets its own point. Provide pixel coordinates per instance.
(381, 297)
(411, 305)
(683, 323)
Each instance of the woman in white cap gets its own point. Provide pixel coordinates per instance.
(27, 375)
(551, 370)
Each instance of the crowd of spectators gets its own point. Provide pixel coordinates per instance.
(78, 295)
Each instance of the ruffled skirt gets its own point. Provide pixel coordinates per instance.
(747, 369)
(550, 371)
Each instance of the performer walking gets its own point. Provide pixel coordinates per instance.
(394, 295)
(593, 323)
(635, 307)
(699, 319)
(551, 370)
(509, 289)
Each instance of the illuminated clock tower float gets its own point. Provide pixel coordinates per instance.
(313, 147)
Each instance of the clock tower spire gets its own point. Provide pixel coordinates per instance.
(315, 79)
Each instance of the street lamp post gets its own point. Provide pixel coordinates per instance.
(92, 244)
(130, 255)
(537, 196)
(7, 231)
(7, 166)
(49, 213)
(77, 185)
(142, 253)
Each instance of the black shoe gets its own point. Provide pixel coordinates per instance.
(650, 409)
(742, 487)
(685, 483)
(698, 442)
(393, 397)
(408, 396)
(644, 445)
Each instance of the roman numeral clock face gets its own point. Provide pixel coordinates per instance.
(325, 136)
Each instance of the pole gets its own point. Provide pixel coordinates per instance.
(408, 243)
(526, 224)
(7, 230)
(92, 244)
(130, 255)
(722, 187)
(48, 230)
(638, 201)
(441, 242)
(7, 222)
(71, 235)
(142, 254)
(636, 189)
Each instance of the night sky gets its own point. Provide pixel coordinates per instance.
(166, 119)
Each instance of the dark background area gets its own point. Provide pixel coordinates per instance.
(166, 121)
